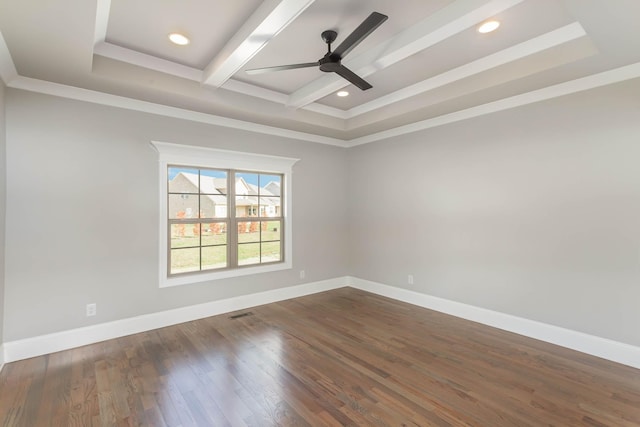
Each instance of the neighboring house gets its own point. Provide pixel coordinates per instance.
(250, 201)
(273, 187)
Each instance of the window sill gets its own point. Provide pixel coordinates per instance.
(187, 279)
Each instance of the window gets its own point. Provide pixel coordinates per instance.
(223, 213)
(202, 234)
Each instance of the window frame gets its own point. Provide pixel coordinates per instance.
(213, 158)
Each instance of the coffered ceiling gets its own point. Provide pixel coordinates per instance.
(427, 62)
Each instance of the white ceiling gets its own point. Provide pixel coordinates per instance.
(427, 63)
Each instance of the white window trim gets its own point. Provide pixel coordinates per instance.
(189, 155)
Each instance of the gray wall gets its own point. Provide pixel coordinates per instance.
(533, 212)
(3, 187)
(82, 213)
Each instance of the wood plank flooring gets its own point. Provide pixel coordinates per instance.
(338, 358)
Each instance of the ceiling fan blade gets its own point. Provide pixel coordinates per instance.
(368, 25)
(281, 68)
(352, 77)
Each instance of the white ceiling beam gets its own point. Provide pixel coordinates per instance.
(443, 24)
(264, 24)
(8, 70)
(103, 7)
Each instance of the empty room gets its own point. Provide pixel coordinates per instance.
(319, 213)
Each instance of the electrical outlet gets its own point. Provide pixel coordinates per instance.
(302, 274)
(410, 279)
(91, 309)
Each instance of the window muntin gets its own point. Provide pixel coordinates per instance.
(199, 201)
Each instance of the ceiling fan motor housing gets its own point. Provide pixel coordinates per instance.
(330, 62)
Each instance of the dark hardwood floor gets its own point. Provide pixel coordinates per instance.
(343, 357)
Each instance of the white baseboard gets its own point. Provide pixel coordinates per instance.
(50, 343)
(596, 346)
(585, 343)
(1, 357)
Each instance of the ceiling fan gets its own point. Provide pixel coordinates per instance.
(331, 61)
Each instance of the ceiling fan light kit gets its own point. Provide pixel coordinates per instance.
(331, 62)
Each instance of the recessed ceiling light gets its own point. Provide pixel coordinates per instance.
(343, 93)
(179, 39)
(488, 26)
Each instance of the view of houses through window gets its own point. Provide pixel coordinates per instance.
(217, 225)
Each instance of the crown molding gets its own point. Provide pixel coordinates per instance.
(573, 86)
(605, 78)
(119, 53)
(80, 94)
(129, 56)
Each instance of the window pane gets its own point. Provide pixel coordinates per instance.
(246, 206)
(246, 184)
(184, 260)
(249, 253)
(269, 206)
(213, 181)
(248, 231)
(185, 235)
(214, 234)
(183, 206)
(271, 230)
(182, 180)
(271, 252)
(214, 257)
(212, 206)
(270, 185)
